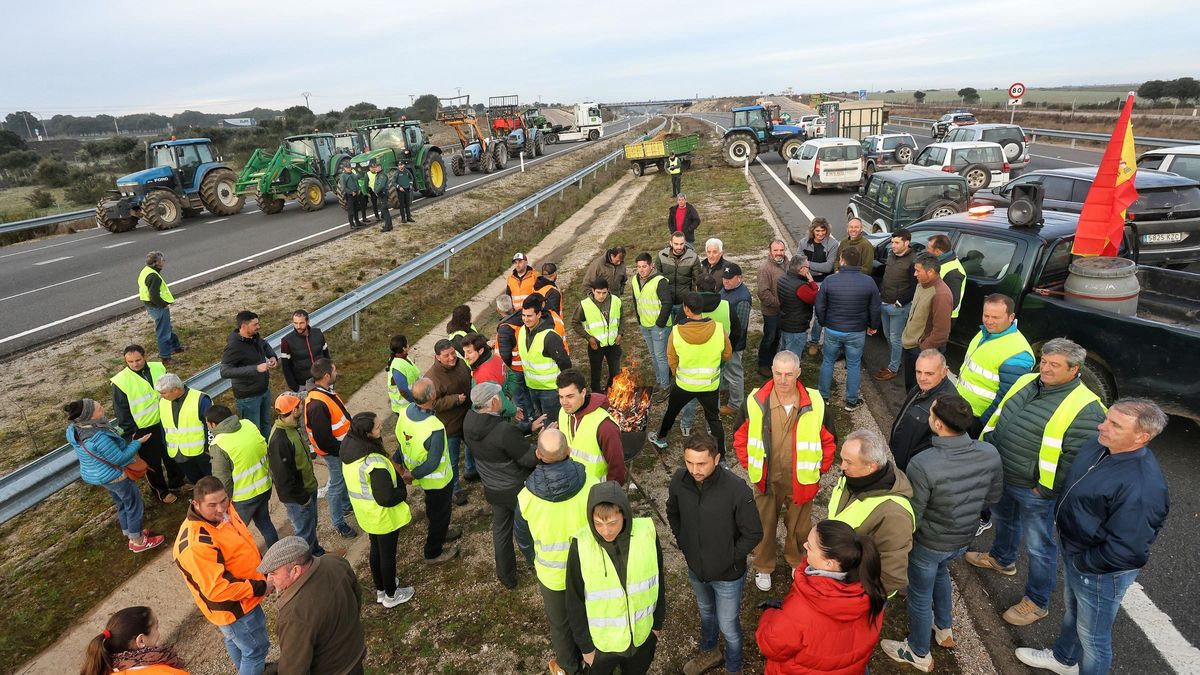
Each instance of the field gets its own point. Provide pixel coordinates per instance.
(14, 206)
(1000, 96)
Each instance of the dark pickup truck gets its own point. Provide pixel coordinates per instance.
(1155, 354)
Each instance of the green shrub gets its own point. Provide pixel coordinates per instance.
(89, 189)
(40, 199)
(53, 172)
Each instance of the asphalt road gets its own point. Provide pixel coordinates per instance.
(1169, 580)
(53, 287)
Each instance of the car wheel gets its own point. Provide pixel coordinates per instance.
(808, 186)
(791, 178)
(977, 175)
(904, 154)
(939, 209)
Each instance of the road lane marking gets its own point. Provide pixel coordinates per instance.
(254, 211)
(218, 220)
(124, 243)
(1063, 159)
(53, 260)
(10, 297)
(1160, 631)
(176, 230)
(61, 243)
(786, 191)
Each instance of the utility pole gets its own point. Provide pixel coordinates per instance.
(28, 131)
(306, 94)
(412, 99)
(459, 90)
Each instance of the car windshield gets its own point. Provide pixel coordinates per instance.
(1182, 198)
(964, 156)
(303, 146)
(388, 137)
(840, 153)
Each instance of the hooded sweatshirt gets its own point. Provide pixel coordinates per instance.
(695, 332)
(618, 552)
(222, 465)
(385, 493)
(609, 436)
(549, 290)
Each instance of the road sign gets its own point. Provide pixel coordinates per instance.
(1014, 101)
(1017, 90)
(862, 94)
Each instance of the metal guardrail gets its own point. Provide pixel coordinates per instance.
(30, 484)
(21, 225)
(1072, 136)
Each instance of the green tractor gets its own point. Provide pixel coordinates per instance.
(304, 168)
(390, 143)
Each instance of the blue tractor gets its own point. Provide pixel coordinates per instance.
(181, 178)
(754, 131)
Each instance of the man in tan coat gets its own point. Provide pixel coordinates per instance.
(872, 496)
(928, 325)
(767, 290)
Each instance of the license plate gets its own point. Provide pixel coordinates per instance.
(1165, 238)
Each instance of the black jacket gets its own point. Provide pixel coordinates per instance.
(715, 523)
(383, 491)
(848, 301)
(506, 336)
(553, 347)
(286, 474)
(550, 291)
(297, 353)
(910, 430)
(795, 315)
(664, 297)
(503, 455)
(239, 364)
(691, 220)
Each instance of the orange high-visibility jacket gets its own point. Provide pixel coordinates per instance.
(219, 564)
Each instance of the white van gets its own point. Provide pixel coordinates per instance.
(1183, 160)
(982, 163)
(827, 162)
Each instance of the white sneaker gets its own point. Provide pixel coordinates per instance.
(380, 595)
(321, 491)
(763, 581)
(401, 596)
(900, 651)
(944, 637)
(1044, 659)
(656, 441)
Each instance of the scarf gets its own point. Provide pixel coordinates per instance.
(814, 572)
(146, 656)
(85, 429)
(882, 479)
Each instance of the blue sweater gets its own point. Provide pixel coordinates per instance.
(1111, 509)
(107, 446)
(848, 301)
(1017, 365)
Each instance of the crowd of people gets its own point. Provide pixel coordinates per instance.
(1015, 442)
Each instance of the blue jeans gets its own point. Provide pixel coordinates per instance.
(793, 342)
(1092, 601)
(814, 331)
(893, 327)
(128, 497)
(1019, 510)
(656, 344)
(928, 581)
(336, 495)
(518, 393)
(523, 536)
(304, 522)
(247, 642)
(546, 402)
(770, 341)
(257, 409)
(720, 604)
(258, 510)
(164, 335)
(835, 342)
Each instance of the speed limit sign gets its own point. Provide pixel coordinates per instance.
(1017, 90)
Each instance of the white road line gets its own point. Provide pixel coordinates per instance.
(787, 191)
(1063, 159)
(218, 220)
(174, 231)
(254, 211)
(1161, 631)
(114, 303)
(61, 243)
(50, 286)
(53, 260)
(124, 243)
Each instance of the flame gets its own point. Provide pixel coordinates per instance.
(628, 403)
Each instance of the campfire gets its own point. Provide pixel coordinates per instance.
(628, 403)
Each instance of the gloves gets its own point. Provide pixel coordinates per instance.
(773, 603)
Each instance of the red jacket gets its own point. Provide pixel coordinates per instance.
(821, 628)
(608, 436)
(491, 370)
(800, 493)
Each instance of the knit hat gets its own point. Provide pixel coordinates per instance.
(483, 393)
(286, 550)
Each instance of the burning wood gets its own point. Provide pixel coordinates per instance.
(628, 403)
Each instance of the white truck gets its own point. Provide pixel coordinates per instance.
(588, 125)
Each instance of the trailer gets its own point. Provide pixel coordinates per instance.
(588, 124)
(853, 119)
(655, 152)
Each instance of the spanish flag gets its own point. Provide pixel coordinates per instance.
(1102, 222)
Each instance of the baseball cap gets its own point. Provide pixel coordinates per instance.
(520, 256)
(286, 402)
(732, 270)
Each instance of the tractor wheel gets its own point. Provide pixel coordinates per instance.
(218, 195)
(738, 148)
(594, 135)
(311, 194)
(434, 170)
(393, 200)
(540, 145)
(458, 165)
(551, 139)
(269, 205)
(113, 224)
(487, 161)
(162, 210)
(790, 148)
(501, 156)
(340, 195)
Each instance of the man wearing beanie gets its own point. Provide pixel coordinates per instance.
(504, 459)
(318, 610)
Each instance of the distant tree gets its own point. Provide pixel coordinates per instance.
(53, 172)
(1155, 90)
(919, 96)
(424, 108)
(23, 123)
(1185, 89)
(299, 117)
(891, 91)
(11, 141)
(969, 95)
(40, 199)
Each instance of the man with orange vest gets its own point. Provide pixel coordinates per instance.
(328, 422)
(521, 280)
(782, 441)
(219, 560)
(506, 347)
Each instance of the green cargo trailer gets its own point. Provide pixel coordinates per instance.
(655, 152)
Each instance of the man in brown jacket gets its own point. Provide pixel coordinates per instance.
(857, 240)
(610, 266)
(319, 601)
(769, 273)
(928, 325)
(452, 383)
(872, 496)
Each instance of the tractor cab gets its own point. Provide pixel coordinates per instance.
(317, 146)
(349, 142)
(753, 117)
(180, 160)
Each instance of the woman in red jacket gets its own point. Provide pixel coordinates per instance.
(830, 621)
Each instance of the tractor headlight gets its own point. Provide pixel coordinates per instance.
(128, 189)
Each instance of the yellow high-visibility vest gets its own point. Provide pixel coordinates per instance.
(808, 439)
(699, 365)
(247, 451)
(645, 299)
(143, 397)
(605, 330)
(186, 435)
(619, 615)
(551, 524)
(373, 518)
(411, 437)
(979, 378)
(163, 291)
(541, 371)
(585, 440)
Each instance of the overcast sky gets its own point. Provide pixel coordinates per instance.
(95, 56)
